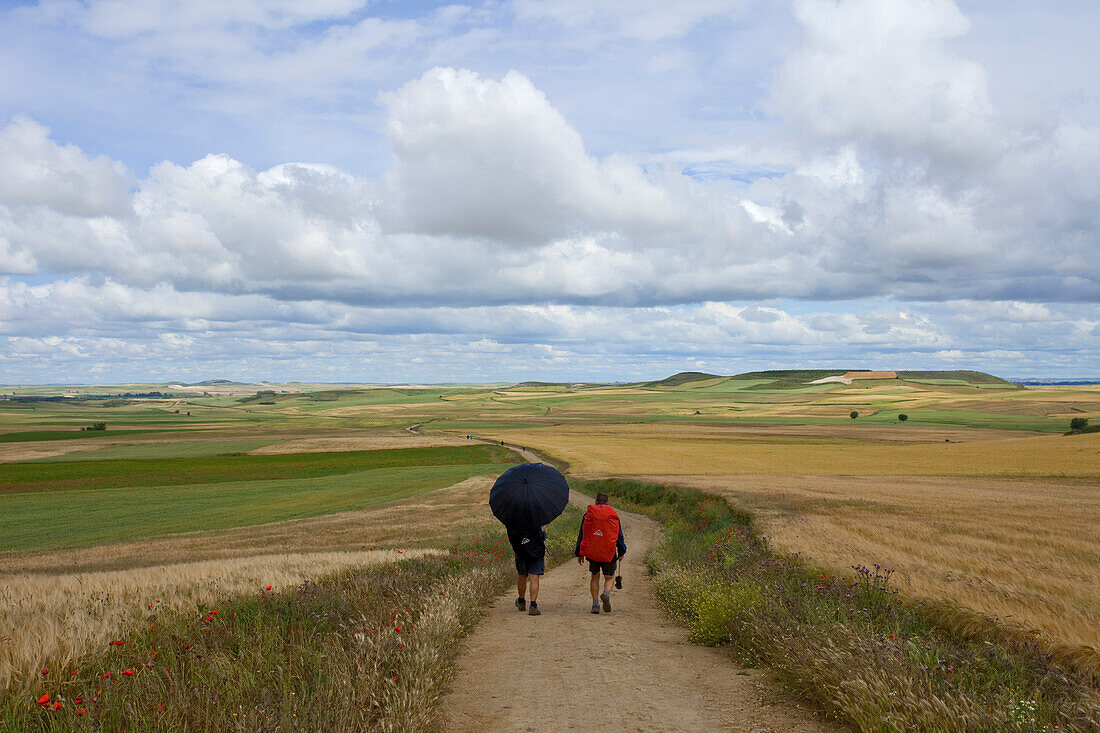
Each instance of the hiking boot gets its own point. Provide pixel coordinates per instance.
(606, 598)
(534, 610)
(521, 604)
(595, 606)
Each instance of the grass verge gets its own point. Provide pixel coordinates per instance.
(847, 643)
(370, 649)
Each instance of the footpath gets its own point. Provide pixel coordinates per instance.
(631, 670)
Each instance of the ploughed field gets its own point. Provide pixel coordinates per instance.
(206, 493)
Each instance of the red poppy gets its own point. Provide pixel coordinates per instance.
(46, 671)
(398, 629)
(81, 711)
(104, 675)
(128, 672)
(73, 673)
(57, 705)
(268, 588)
(44, 699)
(77, 700)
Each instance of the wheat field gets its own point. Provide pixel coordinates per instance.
(52, 620)
(1005, 527)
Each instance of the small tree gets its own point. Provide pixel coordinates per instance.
(903, 417)
(1078, 423)
(853, 414)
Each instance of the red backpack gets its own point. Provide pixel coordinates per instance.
(601, 533)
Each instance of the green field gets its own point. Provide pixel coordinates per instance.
(38, 477)
(125, 500)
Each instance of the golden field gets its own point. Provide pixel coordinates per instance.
(1004, 526)
(975, 500)
(56, 606)
(688, 450)
(62, 617)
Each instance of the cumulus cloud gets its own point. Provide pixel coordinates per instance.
(40, 172)
(495, 159)
(881, 71)
(885, 179)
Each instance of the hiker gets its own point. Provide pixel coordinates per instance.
(529, 546)
(601, 542)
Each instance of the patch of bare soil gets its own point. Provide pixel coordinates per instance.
(631, 670)
(395, 439)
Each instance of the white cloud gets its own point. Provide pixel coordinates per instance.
(494, 159)
(881, 71)
(620, 195)
(39, 172)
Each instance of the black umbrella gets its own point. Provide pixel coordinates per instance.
(529, 495)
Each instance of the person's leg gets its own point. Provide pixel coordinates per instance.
(534, 588)
(594, 585)
(521, 586)
(608, 581)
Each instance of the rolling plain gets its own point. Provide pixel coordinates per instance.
(201, 495)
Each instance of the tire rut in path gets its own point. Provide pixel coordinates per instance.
(632, 669)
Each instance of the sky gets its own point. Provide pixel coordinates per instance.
(576, 190)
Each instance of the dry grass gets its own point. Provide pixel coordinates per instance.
(57, 618)
(946, 516)
(58, 605)
(1024, 551)
(686, 450)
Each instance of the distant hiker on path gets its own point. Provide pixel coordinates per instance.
(529, 546)
(601, 542)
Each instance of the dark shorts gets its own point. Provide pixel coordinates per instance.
(528, 566)
(608, 568)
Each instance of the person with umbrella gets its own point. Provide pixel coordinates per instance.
(525, 498)
(529, 546)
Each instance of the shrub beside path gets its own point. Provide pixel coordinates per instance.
(633, 669)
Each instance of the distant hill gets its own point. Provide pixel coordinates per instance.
(683, 378)
(212, 383)
(797, 378)
(965, 375)
(797, 375)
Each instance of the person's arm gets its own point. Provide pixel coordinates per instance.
(580, 534)
(620, 544)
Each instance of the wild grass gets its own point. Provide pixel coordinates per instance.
(52, 620)
(848, 642)
(1023, 550)
(366, 648)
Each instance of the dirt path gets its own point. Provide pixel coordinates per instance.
(633, 669)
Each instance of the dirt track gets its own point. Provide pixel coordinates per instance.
(633, 669)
